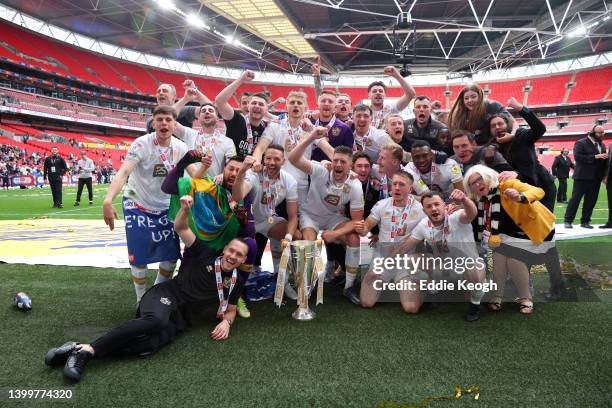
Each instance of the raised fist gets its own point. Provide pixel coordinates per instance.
(247, 76)
(390, 70)
(186, 201)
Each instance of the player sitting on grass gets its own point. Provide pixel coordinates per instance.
(205, 278)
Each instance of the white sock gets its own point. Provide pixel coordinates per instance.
(351, 262)
(476, 296)
(166, 269)
(275, 250)
(139, 277)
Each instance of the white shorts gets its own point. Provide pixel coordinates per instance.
(321, 223)
(264, 226)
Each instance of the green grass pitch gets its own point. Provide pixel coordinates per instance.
(346, 357)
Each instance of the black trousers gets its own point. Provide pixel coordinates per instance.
(590, 190)
(86, 181)
(609, 191)
(5, 182)
(562, 192)
(156, 324)
(55, 182)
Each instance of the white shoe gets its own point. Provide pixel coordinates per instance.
(290, 292)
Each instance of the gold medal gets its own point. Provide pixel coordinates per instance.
(270, 220)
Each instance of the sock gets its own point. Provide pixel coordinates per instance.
(139, 277)
(275, 249)
(166, 268)
(476, 296)
(351, 261)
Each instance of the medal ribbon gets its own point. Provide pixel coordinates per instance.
(222, 301)
(445, 231)
(400, 218)
(249, 134)
(163, 157)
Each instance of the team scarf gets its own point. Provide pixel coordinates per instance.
(223, 303)
(489, 213)
(212, 219)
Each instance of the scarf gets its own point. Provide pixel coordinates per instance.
(489, 212)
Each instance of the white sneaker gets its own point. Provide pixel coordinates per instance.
(290, 292)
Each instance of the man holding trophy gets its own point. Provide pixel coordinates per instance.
(270, 187)
(330, 191)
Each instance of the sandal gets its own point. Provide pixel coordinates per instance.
(525, 306)
(495, 305)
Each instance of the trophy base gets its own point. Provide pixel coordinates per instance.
(303, 314)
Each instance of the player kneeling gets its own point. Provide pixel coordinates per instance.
(204, 278)
(396, 217)
(448, 237)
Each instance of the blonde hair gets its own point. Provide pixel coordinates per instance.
(461, 117)
(396, 150)
(490, 176)
(298, 95)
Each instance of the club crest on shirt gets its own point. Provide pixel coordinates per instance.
(455, 170)
(346, 189)
(159, 170)
(335, 131)
(165, 301)
(332, 199)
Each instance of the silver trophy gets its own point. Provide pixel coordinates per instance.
(306, 265)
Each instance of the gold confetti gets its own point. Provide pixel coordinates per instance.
(459, 392)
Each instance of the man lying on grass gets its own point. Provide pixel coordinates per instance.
(204, 278)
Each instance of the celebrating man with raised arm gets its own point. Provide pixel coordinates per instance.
(206, 278)
(376, 94)
(323, 211)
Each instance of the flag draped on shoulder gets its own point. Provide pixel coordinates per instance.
(211, 219)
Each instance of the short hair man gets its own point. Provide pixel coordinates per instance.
(338, 134)
(367, 138)
(205, 278)
(467, 153)
(448, 236)
(54, 169)
(150, 237)
(423, 126)
(377, 92)
(186, 115)
(396, 217)
(431, 176)
(85, 166)
(323, 211)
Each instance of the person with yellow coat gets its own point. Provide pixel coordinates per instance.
(513, 223)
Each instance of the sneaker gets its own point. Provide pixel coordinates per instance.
(91, 203)
(330, 269)
(606, 225)
(290, 292)
(75, 365)
(60, 206)
(568, 225)
(58, 355)
(473, 313)
(351, 294)
(587, 225)
(243, 311)
(76, 204)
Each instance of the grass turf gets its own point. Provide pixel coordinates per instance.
(22, 204)
(347, 357)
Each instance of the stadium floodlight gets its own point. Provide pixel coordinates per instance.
(195, 20)
(166, 4)
(577, 32)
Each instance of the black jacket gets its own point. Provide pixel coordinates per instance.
(521, 152)
(561, 166)
(587, 167)
(55, 167)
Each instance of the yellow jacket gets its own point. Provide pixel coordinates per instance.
(532, 217)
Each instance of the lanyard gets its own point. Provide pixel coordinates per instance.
(208, 142)
(268, 192)
(162, 156)
(361, 146)
(487, 214)
(249, 136)
(384, 186)
(329, 124)
(395, 217)
(432, 174)
(294, 139)
(377, 119)
(445, 231)
(222, 301)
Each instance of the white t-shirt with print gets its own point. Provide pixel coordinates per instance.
(284, 187)
(382, 213)
(222, 148)
(440, 178)
(144, 184)
(372, 142)
(460, 237)
(325, 198)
